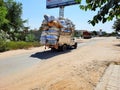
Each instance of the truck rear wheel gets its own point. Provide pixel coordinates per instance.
(62, 48)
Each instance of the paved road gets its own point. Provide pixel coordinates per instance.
(14, 64)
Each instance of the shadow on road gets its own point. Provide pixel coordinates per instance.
(118, 45)
(48, 54)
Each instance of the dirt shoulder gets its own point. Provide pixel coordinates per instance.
(78, 69)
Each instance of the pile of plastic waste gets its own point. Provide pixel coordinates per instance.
(53, 27)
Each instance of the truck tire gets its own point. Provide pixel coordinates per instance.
(62, 48)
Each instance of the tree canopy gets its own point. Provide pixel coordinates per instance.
(14, 15)
(116, 25)
(3, 13)
(11, 21)
(107, 9)
(11, 11)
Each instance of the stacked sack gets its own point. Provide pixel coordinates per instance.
(67, 26)
(52, 28)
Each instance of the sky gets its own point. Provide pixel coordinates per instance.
(34, 10)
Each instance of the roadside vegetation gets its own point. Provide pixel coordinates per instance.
(13, 45)
(22, 41)
(13, 33)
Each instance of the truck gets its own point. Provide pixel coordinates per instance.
(58, 34)
(87, 35)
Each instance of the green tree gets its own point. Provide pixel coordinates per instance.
(116, 25)
(77, 33)
(3, 13)
(15, 24)
(107, 9)
(14, 16)
(94, 33)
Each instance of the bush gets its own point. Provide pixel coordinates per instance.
(4, 36)
(13, 45)
(30, 37)
(2, 45)
(21, 45)
(3, 39)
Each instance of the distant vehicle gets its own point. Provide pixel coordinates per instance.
(87, 35)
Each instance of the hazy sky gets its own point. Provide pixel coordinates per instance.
(34, 10)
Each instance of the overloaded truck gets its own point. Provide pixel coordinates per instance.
(57, 33)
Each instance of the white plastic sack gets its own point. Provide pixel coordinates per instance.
(51, 37)
(44, 33)
(44, 22)
(51, 18)
(43, 39)
(53, 32)
(67, 31)
(52, 42)
(54, 28)
(63, 23)
(46, 17)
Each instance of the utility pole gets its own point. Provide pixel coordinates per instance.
(61, 12)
